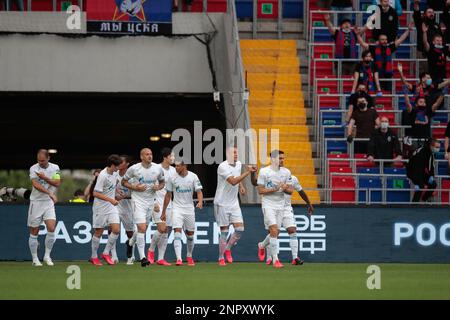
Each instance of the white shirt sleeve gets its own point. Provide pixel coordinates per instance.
(224, 172)
(100, 182)
(169, 185)
(129, 174)
(33, 174)
(261, 178)
(197, 183)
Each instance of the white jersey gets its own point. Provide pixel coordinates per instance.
(106, 185)
(124, 204)
(52, 172)
(160, 194)
(183, 188)
(226, 193)
(297, 187)
(150, 177)
(269, 179)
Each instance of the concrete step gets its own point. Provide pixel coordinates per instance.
(269, 35)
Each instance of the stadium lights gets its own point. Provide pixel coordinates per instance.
(154, 138)
(52, 151)
(166, 135)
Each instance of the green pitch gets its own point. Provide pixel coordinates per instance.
(19, 280)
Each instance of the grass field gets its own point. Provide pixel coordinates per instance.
(19, 280)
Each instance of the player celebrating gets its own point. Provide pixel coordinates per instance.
(288, 222)
(125, 208)
(45, 178)
(182, 185)
(226, 204)
(150, 178)
(104, 209)
(164, 228)
(273, 182)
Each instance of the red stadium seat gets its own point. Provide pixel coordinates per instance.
(341, 164)
(365, 164)
(343, 195)
(445, 194)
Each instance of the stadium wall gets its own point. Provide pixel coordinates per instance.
(332, 234)
(55, 63)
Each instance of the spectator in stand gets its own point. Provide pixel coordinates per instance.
(342, 6)
(8, 5)
(383, 51)
(388, 22)
(366, 72)
(447, 145)
(394, 4)
(89, 190)
(422, 113)
(345, 43)
(420, 169)
(436, 54)
(78, 197)
(384, 144)
(429, 18)
(425, 87)
(366, 120)
(361, 91)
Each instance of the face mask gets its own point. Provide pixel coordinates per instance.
(438, 46)
(346, 30)
(361, 105)
(429, 82)
(436, 150)
(384, 125)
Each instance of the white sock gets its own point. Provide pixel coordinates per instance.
(49, 242)
(94, 246)
(162, 245)
(190, 246)
(114, 252)
(112, 238)
(268, 253)
(274, 248)
(222, 243)
(266, 240)
(177, 244)
(33, 244)
(235, 237)
(155, 240)
(140, 243)
(132, 240)
(293, 242)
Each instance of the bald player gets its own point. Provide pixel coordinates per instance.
(150, 179)
(45, 178)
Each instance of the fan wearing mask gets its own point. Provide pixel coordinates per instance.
(429, 19)
(420, 169)
(366, 73)
(365, 120)
(384, 144)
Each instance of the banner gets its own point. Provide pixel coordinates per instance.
(129, 17)
(332, 234)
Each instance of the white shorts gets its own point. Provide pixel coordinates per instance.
(102, 219)
(183, 218)
(288, 220)
(272, 217)
(126, 214)
(226, 215)
(142, 213)
(40, 211)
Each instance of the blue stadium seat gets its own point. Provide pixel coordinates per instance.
(293, 9)
(443, 168)
(370, 183)
(337, 146)
(322, 35)
(244, 9)
(398, 196)
(373, 170)
(399, 171)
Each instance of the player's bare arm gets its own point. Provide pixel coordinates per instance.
(134, 187)
(262, 190)
(200, 199)
(52, 182)
(101, 196)
(167, 199)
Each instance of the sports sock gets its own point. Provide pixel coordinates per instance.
(293, 243)
(162, 245)
(222, 243)
(49, 242)
(140, 243)
(177, 245)
(132, 240)
(237, 234)
(190, 246)
(155, 240)
(33, 244)
(111, 241)
(266, 240)
(94, 246)
(274, 248)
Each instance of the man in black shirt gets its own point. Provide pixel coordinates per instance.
(384, 143)
(436, 54)
(388, 22)
(429, 18)
(366, 73)
(420, 169)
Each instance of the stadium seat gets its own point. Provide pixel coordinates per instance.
(445, 194)
(363, 163)
(343, 196)
(373, 170)
(369, 195)
(398, 196)
(335, 163)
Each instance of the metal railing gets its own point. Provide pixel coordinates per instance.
(279, 20)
